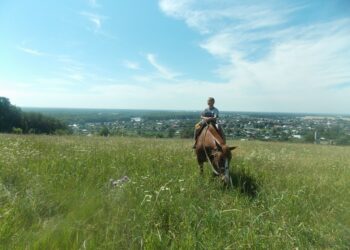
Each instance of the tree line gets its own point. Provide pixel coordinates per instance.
(14, 120)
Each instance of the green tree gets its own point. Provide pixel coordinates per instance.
(186, 132)
(13, 117)
(309, 136)
(171, 132)
(17, 131)
(41, 124)
(104, 131)
(10, 116)
(343, 140)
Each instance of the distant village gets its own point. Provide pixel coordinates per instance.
(237, 126)
(292, 127)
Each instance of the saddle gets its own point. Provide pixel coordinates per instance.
(200, 126)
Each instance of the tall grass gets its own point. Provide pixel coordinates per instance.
(55, 194)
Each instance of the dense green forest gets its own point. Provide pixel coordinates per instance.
(14, 120)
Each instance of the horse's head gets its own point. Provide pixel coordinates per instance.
(221, 157)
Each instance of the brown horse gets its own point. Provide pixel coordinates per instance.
(211, 147)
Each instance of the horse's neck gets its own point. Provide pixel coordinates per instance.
(214, 133)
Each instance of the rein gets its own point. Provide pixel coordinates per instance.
(205, 151)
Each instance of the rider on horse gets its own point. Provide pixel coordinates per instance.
(209, 115)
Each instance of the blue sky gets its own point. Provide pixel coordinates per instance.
(284, 56)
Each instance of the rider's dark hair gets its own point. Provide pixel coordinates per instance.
(211, 99)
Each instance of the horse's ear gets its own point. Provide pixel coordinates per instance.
(232, 148)
(218, 145)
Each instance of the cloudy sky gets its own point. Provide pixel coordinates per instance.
(285, 56)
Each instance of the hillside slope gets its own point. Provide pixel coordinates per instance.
(55, 193)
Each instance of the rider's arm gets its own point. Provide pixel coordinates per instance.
(216, 116)
(208, 119)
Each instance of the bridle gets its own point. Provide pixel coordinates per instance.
(226, 174)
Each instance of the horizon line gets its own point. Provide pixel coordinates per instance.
(189, 110)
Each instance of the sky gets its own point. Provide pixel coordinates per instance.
(269, 56)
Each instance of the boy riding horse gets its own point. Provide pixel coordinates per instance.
(209, 115)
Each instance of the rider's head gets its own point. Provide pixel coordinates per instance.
(211, 101)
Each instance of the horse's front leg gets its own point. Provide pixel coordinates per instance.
(200, 167)
(227, 178)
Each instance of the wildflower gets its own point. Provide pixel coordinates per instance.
(119, 182)
(162, 188)
(146, 198)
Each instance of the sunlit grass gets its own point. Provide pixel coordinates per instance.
(55, 194)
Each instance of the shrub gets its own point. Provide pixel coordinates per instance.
(17, 130)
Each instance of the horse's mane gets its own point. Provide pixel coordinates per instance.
(215, 134)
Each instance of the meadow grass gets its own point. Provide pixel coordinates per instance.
(55, 194)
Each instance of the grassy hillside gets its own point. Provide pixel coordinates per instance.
(55, 194)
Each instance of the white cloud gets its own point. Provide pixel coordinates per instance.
(211, 16)
(275, 64)
(77, 77)
(131, 65)
(94, 19)
(312, 61)
(95, 24)
(156, 95)
(93, 3)
(221, 45)
(265, 63)
(162, 70)
(31, 51)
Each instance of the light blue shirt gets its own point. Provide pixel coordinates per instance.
(213, 112)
